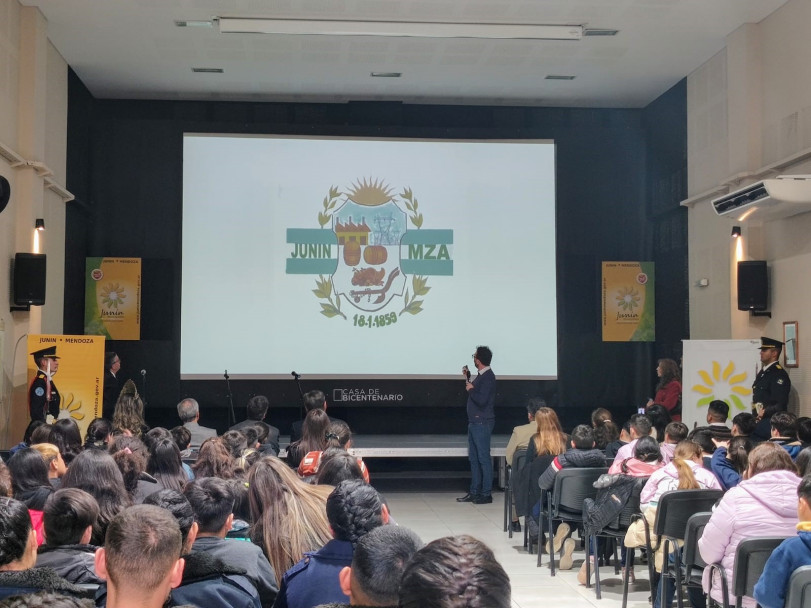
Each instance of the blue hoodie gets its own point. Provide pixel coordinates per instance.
(771, 588)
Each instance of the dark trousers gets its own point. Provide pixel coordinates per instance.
(478, 450)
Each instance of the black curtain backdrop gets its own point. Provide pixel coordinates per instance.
(620, 176)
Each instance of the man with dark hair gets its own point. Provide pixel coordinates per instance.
(804, 431)
(188, 411)
(182, 437)
(481, 417)
(69, 515)
(207, 580)
(582, 454)
(784, 432)
(43, 397)
(212, 501)
(353, 509)
(717, 414)
(141, 559)
(518, 441)
(112, 384)
(455, 572)
(640, 426)
(313, 400)
(380, 556)
(257, 410)
(743, 424)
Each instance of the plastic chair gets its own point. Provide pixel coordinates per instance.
(750, 559)
(692, 563)
(519, 458)
(673, 511)
(799, 588)
(564, 502)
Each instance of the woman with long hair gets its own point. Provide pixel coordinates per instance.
(731, 459)
(95, 472)
(29, 478)
(66, 436)
(128, 416)
(313, 437)
(659, 419)
(99, 434)
(214, 460)
(289, 515)
(165, 465)
(764, 503)
(339, 437)
(668, 389)
(53, 460)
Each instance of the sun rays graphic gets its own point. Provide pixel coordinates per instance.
(723, 385)
(71, 408)
(113, 295)
(627, 298)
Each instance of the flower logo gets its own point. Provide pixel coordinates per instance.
(71, 408)
(725, 386)
(627, 298)
(113, 295)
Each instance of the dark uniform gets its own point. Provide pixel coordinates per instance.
(39, 405)
(771, 388)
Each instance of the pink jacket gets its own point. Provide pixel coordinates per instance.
(765, 505)
(667, 478)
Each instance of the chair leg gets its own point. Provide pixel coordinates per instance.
(508, 510)
(597, 586)
(629, 562)
(617, 550)
(677, 572)
(550, 534)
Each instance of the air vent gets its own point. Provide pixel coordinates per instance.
(599, 32)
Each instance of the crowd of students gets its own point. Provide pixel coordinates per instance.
(652, 454)
(130, 515)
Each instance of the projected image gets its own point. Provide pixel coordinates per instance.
(367, 257)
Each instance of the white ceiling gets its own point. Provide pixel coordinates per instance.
(132, 49)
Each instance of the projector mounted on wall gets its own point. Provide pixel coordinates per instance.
(769, 199)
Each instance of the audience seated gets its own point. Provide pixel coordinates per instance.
(214, 460)
(336, 466)
(5, 481)
(703, 437)
(235, 442)
(18, 554)
(313, 400)
(607, 438)
(804, 431)
(313, 437)
(380, 556)
(659, 419)
(454, 572)
(128, 415)
(743, 424)
(141, 559)
(96, 473)
(65, 435)
(69, 516)
(26, 442)
(182, 438)
(257, 410)
(730, 460)
(165, 466)
(281, 501)
(207, 580)
(46, 599)
(803, 462)
(771, 588)
(761, 505)
(188, 411)
(130, 455)
(99, 434)
(29, 478)
(520, 439)
(353, 509)
(338, 436)
(212, 501)
(784, 432)
(675, 432)
(640, 426)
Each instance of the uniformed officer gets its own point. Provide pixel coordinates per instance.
(43, 397)
(772, 384)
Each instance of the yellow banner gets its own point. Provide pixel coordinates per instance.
(628, 302)
(113, 298)
(80, 377)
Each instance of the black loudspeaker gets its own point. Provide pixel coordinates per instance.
(5, 192)
(29, 279)
(753, 286)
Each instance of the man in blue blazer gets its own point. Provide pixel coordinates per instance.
(481, 401)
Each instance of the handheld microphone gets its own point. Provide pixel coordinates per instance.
(295, 375)
(143, 372)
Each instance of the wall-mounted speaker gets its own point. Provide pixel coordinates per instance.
(29, 279)
(5, 193)
(753, 286)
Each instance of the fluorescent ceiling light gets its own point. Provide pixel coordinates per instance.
(385, 74)
(231, 25)
(559, 77)
(207, 70)
(189, 23)
(594, 31)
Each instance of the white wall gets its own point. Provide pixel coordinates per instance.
(33, 123)
(749, 118)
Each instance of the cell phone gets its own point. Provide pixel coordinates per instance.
(640, 410)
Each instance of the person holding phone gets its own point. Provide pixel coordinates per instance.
(481, 401)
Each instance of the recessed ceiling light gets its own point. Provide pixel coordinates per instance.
(207, 70)
(559, 77)
(180, 23)
(599, 32)
(385, 74)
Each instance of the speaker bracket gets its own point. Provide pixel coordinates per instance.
(759, 313)
(26, 308)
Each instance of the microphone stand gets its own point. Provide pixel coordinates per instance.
(300, 392)
(143, 386)
(231, 415)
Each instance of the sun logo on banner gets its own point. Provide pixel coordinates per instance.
(71, 408)
(113, 295)
(628, 298)
(723, 385)
(371, 252)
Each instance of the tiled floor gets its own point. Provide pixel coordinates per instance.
(436, 514)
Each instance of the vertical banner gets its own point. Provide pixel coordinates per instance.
(717, 369)
(113, 298)
(628, 302)
(80, 376)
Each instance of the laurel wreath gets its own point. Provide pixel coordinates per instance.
(323, 291)
(329, 204)
(419, 285)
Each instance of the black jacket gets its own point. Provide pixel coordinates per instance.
(74, 563)
(571, 459)
(22, 582)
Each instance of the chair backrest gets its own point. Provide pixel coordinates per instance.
(695, 528)
(573, 486)
(676, 507)
(519, 458)
(750, 559)
(631, 507)
(799, 588)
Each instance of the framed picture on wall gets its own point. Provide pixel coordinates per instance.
(791, 350)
